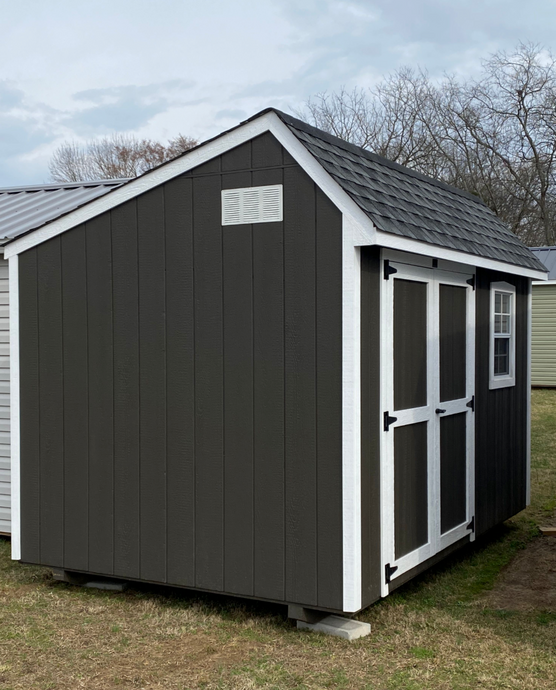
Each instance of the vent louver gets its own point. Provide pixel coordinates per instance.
(252, 205)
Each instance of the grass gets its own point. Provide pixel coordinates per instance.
(436, 632)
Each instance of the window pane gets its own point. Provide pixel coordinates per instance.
(497, 302)
(501, 356)
(505, 324)
(497, 324)
(506, 304)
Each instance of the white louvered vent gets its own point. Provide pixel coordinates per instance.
(252, 205)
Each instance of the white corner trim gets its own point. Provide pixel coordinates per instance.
(391, 241)
(269, 122)
(14, 407)
(529, 361)
(351, 418)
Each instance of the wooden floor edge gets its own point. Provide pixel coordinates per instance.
(548, 531)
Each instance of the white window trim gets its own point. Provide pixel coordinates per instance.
(508, 379)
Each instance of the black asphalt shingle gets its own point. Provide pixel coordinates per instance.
(403, 202)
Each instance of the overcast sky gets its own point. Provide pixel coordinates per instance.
(78, 70)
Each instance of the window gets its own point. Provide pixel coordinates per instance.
(502, 335)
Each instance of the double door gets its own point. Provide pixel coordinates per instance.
(427, 479)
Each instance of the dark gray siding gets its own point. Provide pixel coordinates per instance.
(181, 392)
(370, 425)
(500, 416)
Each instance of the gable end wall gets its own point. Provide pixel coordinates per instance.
(181, 389)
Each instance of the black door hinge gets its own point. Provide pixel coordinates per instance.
(471, 404)
(388, 270)
(471, 282)
(388, 420)
(388, 572)
(471, 525)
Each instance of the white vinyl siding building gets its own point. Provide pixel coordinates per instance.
(5, 484)
(543, 341)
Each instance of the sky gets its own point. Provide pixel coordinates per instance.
(75, 71)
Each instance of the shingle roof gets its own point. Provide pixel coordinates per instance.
(25, 208)
(547, 255)
(401, 201)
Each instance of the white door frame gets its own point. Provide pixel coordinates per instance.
(436, 542)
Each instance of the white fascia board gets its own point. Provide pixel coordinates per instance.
(14, 407)
(269, 122)
(391, 241)
(544, 282)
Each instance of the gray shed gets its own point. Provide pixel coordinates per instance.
(22, 209)
(278, 366)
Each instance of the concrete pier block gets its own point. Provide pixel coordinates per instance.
(338, 626)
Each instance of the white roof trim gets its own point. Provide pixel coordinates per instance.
(391, 241)
(544, 282)
(268, 122)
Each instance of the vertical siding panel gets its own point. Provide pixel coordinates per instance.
(126, 390)
(301, 499)
(29, 406)
(208, 384)
(238, 395)
(500, 416)
(329, 402)
(268, 376)
(152, 339)
(51, 403)
(101, 465)
(180, 377)
(76, 409)
(266, 152)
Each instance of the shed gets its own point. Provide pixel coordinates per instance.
(278, 366)
(543, 346)
(21, 210)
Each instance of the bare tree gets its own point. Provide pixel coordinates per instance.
(494, 137)
(113, 157)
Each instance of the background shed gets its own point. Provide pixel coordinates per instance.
(21, 210)
(543, 343)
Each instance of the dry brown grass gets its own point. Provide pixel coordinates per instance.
(439, 632)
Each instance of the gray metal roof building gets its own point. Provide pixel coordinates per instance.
(25, 208)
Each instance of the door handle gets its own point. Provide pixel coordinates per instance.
(439, 411)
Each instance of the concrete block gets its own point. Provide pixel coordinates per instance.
(339, 627)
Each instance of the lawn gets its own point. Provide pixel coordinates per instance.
(440, 631)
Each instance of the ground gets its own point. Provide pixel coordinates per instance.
(486, 618)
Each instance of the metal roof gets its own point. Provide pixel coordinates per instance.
(548, 257)
(26, 208)
(404, 202)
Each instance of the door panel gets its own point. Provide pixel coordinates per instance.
(453, 331)
(410, 488)
(427, 350)
(453, 471)
(410, 344)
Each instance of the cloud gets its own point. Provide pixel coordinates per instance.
(230, 114)
(10, 96)
(123, 108)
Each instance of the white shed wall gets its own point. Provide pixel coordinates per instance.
(5, 483)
